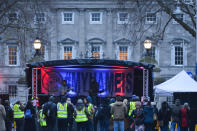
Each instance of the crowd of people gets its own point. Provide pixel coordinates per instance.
(111, 114)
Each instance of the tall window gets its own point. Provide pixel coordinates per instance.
(68, 52)
(40, 18)
(96, 52)
(95, 18)
(123, 53)
(179, 52)
(151, 18)
(12, 89)
(178, 55)
(123, 17)
(67, 18)
(12, 55)
(180, 17)
(12, 17)
(151, 52)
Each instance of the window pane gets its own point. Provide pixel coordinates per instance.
(12, 89)
(96, 16)
(123, 16)
(178, 55)
(12, 17)
(12, 52)
(123, 52)
(96, 52)
(151, 17)
(68, 17)
(40, 17)
(68, 52)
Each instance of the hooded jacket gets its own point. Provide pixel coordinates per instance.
(148, 114)
(119, 110)
(175, 112)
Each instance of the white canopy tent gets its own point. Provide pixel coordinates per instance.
(182, 82)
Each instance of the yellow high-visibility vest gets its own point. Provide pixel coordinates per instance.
(132, 107)
(62, 110)
(42, 119)
(89, 107)
(17, 112)
(81, 116)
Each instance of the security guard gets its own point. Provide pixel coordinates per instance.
(131, 107)
(43, 122)
(19, 115)
(62, 114)
(132, 104)
(81, 115)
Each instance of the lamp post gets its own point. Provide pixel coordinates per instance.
(37, 46)
(37, 58)
(147, 46)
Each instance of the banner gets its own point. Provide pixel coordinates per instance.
(112, 81)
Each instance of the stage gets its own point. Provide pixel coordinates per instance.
(114, 77)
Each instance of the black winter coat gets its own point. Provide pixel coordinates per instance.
(164, 115)
(138, 116)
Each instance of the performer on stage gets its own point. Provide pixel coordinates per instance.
(93, 91)
(64, 88)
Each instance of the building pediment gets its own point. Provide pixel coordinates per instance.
(178, 40)
(122, 41)
(68, 41)
(95, 40)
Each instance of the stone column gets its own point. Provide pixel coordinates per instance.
(81, 32)
(109, 41)
(22, 93)
(56, 16)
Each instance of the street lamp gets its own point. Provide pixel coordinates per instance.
(147, 44)
(37, 46)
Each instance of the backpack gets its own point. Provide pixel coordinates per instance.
(28, 113)
(103, 112)
(98, 113)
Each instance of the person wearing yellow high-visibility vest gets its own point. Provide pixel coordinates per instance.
(18, 109)
(62, 114)
(81, 115)
(131, 106)
(91, 111)
(43, 122)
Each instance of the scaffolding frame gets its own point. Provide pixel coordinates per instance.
(34, 83)
(145, 82)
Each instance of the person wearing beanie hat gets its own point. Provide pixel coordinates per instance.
(81, 115)
(91, 110)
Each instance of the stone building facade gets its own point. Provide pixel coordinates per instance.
(102, 29)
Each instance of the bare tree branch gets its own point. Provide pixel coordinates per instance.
(169, 12)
